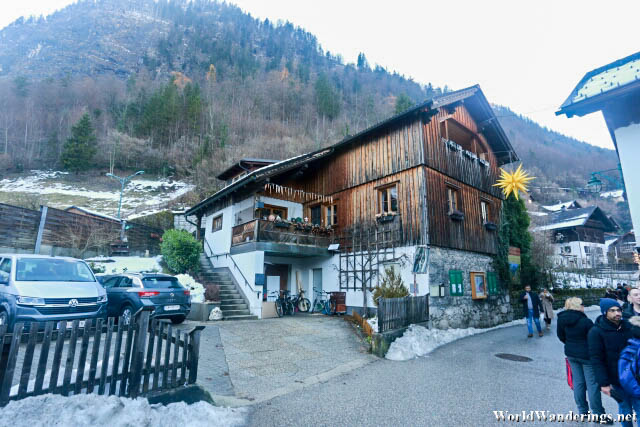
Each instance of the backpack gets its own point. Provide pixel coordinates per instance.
(628, 369)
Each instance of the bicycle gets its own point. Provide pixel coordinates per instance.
(287, 303)
(322, 304)
(303, 304)
(279, 303)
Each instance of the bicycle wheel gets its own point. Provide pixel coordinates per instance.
(333, 307)
(318, 306)
(303, 305)
(290, 309)
(279, 310)
(327, 308)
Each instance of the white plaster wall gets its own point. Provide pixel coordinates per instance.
(577, 251)
(219, 241)
(250, 264)
(628, 141)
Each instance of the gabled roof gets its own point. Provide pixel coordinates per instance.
(238, 168)
(473, 98)
(571, 204)
(575, 218)
(597, 86)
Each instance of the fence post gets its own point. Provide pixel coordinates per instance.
(137, 354)
(194, 344)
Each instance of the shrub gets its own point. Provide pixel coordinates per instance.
(211, 293)
(180, 251)
(392, 286)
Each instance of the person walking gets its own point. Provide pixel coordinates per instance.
(572, 329)
(546, 300)
(531, 306)
(606, 340)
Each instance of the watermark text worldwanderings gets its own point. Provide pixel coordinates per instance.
(548, 416)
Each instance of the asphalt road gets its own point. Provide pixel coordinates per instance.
(459, 384)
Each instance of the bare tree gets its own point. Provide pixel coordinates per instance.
(81, 234)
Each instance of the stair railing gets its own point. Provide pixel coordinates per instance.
(228, 255)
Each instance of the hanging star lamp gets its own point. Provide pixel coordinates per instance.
(513, 182)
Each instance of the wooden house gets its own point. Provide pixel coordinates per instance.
(622, 252)
(420, 182)
(577, 235)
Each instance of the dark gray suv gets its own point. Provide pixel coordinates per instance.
(128, 292)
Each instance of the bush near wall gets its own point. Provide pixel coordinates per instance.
(180, 251)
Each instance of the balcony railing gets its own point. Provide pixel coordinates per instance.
(259, 230)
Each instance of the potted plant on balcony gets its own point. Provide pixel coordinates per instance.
(282, 223)
(456, 215)
(385, 217)
(491, 226)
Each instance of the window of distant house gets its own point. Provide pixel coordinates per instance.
(587, 250)
(331, 215)
(567, 249)
(388, 200)
(452, 199)
(216, 224)
(484, 211)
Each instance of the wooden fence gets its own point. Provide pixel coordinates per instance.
(170, 359)
(395, 313)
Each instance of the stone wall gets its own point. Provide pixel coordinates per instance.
(463, 311)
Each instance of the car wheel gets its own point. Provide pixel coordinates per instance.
(126, 314)
(176, 320)
(4, 318)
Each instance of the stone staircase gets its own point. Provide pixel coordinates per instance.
(232, 303)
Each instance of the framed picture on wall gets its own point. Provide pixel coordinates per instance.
(478, 285)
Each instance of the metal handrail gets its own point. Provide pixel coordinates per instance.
(228, 255)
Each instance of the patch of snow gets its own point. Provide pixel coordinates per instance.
(373, 322)
(197, 290)
(35, 51)
(419, 341)
(560, 206)
(613, 194)
(576, 280)
(538, 213)
(216, 314)
(112, 411)
(122, 264)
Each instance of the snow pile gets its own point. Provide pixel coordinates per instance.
(419, 341)
(373, 322)
(94, 410)
(575, 280)
(197, 290)
(216, 314)
(122, 264)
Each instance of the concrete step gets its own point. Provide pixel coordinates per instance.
(224, 307)
(242, 317)
(227, 313)
(231, 300)
(230, 293)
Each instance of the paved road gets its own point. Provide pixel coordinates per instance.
(458, 384)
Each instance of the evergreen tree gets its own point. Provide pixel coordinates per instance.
(80, 147)
(327, 100)
(403, 103)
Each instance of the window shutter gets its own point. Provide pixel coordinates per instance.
(456, 286)
(492, 282)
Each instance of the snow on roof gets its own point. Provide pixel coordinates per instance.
(94, 213)
(573, 222)
(614, 193)
(606, 79)
(538, 213)
(572, 204)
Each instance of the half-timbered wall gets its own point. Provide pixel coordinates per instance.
(468, 234)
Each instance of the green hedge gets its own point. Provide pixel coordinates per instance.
(180, 251)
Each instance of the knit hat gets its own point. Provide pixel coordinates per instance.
(607, 303)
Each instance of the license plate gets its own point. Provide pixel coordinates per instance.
(70, 324)
(171, 307)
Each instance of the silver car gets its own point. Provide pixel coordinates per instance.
(39, 288)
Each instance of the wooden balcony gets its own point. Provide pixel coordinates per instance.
(280, 239)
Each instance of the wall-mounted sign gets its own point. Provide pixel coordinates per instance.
(421, 260)
(478, 285)
(514, 259)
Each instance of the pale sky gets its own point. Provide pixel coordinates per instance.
(526, 55)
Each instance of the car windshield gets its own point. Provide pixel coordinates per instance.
(161, 282)
(52, 270)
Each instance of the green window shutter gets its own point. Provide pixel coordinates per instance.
(492, 282)
(456, 287)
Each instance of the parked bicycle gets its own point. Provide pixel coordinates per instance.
(303, 304)
(287, 303)
(279, 301)
(322, 302)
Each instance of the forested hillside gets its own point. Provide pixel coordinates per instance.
(186, 87)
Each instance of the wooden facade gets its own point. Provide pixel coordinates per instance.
(421, 152)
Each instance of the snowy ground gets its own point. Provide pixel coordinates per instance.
(419, 341)
(575, 280)
(93, 410)
(141, 195)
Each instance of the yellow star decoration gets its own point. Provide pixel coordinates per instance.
(512, 182)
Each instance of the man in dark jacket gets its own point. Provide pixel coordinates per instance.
(607, 339)
(633, 304)
(532, 307)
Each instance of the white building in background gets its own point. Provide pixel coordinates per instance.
(614, 89)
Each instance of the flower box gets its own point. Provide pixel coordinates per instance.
(281, 224)
(385, 218)
(483, 162)
(456, 215)
(490, 226)
(470, 154)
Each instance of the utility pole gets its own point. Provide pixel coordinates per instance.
(123, 183)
